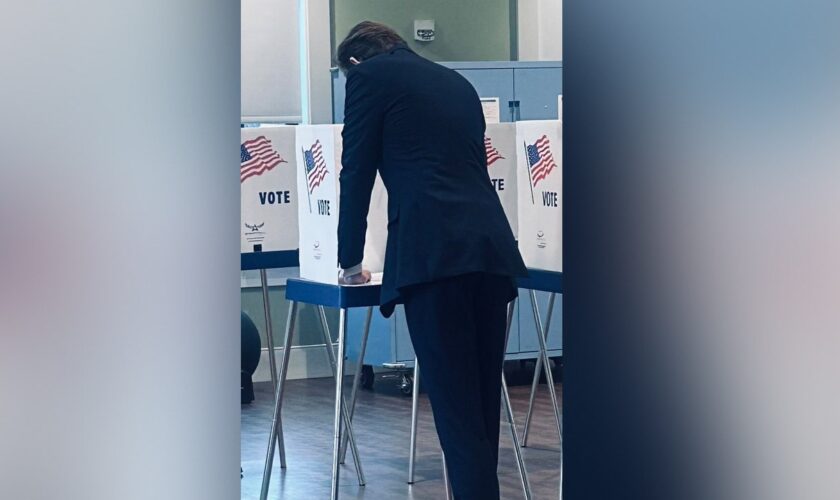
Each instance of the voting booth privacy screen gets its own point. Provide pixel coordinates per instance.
(539, 177)
(290, 193)
(500, 146)
(318, 168)
(268, 193)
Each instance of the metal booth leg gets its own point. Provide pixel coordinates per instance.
(561, 469)
(337, 364)
(447, 486)
(357, 376)
(339, 405)
(278, 399)
(520, 462)
(412, 447)
(547, 365)
(517, 450)
(269, 337)
(537, 369)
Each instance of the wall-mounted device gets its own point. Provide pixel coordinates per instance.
(424, 30)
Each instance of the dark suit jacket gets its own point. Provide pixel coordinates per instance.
(421, 125)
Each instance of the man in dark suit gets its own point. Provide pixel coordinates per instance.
(451, 257)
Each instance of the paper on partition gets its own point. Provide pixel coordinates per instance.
(560, 107)
(490, 107)
(268, 195)
(540, 190)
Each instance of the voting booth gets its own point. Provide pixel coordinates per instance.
(540, 213)
(268, 214)
(500, 146)
(539, 177)
(317, 151)
(318, 148)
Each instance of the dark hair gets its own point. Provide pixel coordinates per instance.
(365, 40)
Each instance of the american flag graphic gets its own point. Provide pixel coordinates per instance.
(540, 160)
(257, 157)
(493, 154)
(316, 166)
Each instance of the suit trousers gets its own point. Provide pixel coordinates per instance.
(457, 326)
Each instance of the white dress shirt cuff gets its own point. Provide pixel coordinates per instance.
(352, 270)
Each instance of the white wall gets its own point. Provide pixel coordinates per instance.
(270, 61)
(286, 58)
(540, 26)
(465, 30)
(551, 30)
(317, 80)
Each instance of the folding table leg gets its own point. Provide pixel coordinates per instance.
(561, 469)
(278, 399)
(447, 486)
(339, 405)
(547, 365)
(520, 462)
(269, 337)
(538, 369)
(412, 447)
(338, 366)
(357, 376)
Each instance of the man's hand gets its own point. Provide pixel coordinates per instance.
(356, 279)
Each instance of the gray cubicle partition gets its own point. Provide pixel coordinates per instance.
(390, 343)
(526, 91)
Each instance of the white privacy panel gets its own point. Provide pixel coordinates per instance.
(500, 146)
(319, 165)
(540, 190)
(268, 176)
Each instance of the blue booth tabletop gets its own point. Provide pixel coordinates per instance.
(268, 260)
(543, 281)
(337, 296)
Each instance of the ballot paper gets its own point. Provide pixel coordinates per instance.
(268, 193)
(375, 280)
(500, 147)
(490, 107)
(319, 150)
(539, 173)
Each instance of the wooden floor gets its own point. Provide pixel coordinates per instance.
(381, 424)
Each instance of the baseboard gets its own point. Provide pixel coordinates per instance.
(309, 361)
